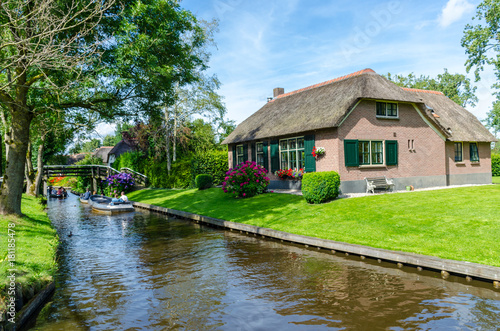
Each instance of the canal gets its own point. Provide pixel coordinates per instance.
(142, 271)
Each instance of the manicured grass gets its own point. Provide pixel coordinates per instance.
(35, 248)
(459, 224)
(496, 180)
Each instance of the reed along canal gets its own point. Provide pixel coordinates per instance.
(143, 271)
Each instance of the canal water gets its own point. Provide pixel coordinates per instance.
(142, 271)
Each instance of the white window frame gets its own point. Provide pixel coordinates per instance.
(386, 116)
(455, 152)
(288, 153)
(238, 155)
(257, 153)
(477, 149)
(370, 153)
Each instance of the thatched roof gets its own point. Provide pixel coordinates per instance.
(124, 146)
(455, 121)
(325, 105)
(103, 152)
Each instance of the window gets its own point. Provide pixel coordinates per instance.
(292, 154)
(474, 152)
(260, 154)
(458, 152)
(387, 109)
(370, 152)
(240, 154)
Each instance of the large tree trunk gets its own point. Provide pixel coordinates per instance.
(17, 145)
(167, 138)
(1, 155)
(30, 172)
(174, 141)
(39, 163)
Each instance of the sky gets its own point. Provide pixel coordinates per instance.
(297, 43)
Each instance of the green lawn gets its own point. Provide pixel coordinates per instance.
(459, 224)
(496, 180)
(35, 244)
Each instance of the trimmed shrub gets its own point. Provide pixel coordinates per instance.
(246, 180)
(319, 187)
(203, 181)
(213, 163)
(495, 164)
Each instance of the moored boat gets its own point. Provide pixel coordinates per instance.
(82, 200)
(104, 204)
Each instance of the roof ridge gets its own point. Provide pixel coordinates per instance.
(357, 73)
(420, 90)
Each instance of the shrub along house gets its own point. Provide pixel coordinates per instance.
(369, 127)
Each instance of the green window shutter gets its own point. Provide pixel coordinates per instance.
(234, 155)
(391, 152)
(275, 156)
(264, 154)
(245, 152)
(310, 160)
(351, 153)
(254, 153)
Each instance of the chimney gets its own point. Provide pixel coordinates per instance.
(278, 91)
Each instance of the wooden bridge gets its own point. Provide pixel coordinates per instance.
(93, 171)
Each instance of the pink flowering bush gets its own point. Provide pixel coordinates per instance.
(246, 180)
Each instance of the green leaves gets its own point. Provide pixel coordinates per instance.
(482, 41)
(457, 87)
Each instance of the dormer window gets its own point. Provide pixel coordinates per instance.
(387, 110)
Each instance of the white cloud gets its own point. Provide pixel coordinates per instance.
(453, 11)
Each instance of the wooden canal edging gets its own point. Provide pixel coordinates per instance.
(446, 267)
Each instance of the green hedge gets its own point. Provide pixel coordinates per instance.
(183, 172)
(213, 163)
(495, 164)
(203, 181)
(319, 187)
(180, 174)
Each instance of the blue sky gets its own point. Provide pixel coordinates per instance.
(296, 43)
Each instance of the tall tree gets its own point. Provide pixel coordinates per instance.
(482, 46)
(457, 87)
(91, 60)
(482, 41)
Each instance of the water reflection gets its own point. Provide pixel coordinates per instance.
(143, 272)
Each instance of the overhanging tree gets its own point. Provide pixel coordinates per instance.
(88, 59)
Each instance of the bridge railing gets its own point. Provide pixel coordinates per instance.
(91, 170)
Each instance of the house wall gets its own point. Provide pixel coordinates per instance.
(330, 141)
(421, 166)
(424, 158)
(467, 172)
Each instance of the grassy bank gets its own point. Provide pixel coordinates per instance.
(496, 180)
(460, 223)
(35, 249)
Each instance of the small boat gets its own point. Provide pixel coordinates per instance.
(104, 204)
(58, 196)
(82, 200)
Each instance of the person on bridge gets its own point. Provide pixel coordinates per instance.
(123, 197)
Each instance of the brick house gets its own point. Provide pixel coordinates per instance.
(369, 127)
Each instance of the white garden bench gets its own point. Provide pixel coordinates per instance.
(374, 183)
